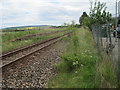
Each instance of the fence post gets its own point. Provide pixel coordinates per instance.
(106, 34)
(98, 35)
(109, 32)
(101, 35)
(118, 63)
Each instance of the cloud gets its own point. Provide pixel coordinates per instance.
(32, 12)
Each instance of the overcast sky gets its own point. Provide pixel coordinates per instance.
(44, 12)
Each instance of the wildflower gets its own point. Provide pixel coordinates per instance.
(82, 53)
(74, 63)
(81, 65)
(91, 56)
(76, 72)
(85, 50)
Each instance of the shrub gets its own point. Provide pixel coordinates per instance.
(71, 61)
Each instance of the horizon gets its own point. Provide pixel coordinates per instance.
(19, 26)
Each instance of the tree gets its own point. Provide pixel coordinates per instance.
(98, 13)
(72, 23)
(81, 19)
(86, 22)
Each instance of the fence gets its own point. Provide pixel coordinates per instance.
(106, 42)
(103, 37)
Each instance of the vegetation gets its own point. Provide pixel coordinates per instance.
(82, 18)
(82, 66)
(7, 36)
(98, 15)
(70, 25)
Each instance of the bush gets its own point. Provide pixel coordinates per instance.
(71, 61)
(74, 61)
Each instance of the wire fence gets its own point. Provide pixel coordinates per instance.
(106, 40)
(119, 63)
(103, 37)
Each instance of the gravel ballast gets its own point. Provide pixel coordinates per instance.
(36, 69)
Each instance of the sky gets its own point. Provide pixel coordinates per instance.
(44, 12)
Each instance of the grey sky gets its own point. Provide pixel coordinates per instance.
(44, 12)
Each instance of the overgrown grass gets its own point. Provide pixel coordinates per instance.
(81, 64)
(106, 70)
(6, 36)
(7, 45)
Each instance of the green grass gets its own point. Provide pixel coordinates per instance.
(82, 66)
(6, 36)
(107, 71)
(7, 45)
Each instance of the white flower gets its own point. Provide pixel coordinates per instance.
(85, 50)
(73, 63)
(76, 62)
(82, 53)
(76, 72)
(81, 65)
(91, 56)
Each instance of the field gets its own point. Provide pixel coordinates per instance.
(8, 37)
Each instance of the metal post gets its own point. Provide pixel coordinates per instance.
(118, 63)
(116, 13)
(107, 32)
(116, 23)
(119, 49)
(109, 35)
(101, 35)
(98, 35)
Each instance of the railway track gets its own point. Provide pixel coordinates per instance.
(36, 35)
(20, 53)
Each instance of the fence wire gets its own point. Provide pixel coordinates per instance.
(103, 37)
(106, 41)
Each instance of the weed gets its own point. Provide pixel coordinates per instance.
(82, 66)
(7, 45)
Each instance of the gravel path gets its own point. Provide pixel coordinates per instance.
(36, 69)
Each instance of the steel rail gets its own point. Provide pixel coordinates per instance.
(17, 59)
(26, 47)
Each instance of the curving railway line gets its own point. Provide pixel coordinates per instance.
(11, 57)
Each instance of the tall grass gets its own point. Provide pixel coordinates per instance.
(6, 36)
(7, 45)
(80, 64)
(106, 70)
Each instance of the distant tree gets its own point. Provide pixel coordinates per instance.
(73, 23)
(64, 24)
(81, 19)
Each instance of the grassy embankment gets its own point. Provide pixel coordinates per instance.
(82, 66)
(7, 36)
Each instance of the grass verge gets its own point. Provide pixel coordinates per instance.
(82, 66)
